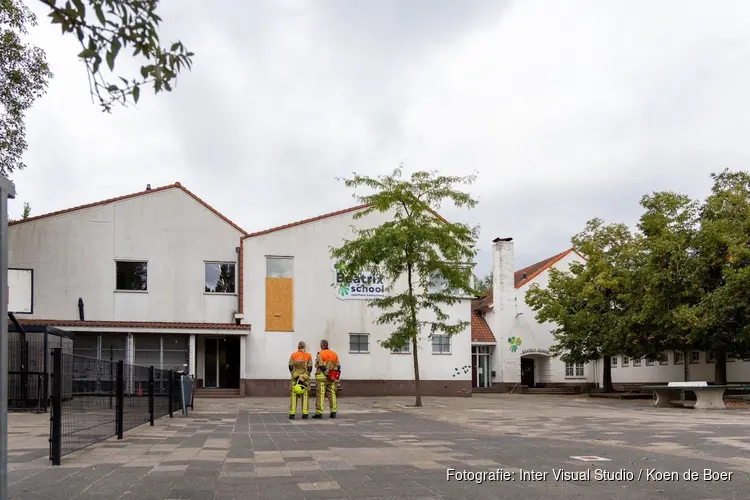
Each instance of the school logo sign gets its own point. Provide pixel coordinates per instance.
(363, 287)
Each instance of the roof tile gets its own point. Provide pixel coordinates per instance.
(480, 330)
(133, 324)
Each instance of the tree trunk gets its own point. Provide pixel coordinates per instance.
(417, 391)
(607, 374)
(720, 366)
(415, 334)
(686, 366)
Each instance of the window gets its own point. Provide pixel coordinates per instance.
(402, 350)
(695, 357)
(664, 358)
(678, 357)
(441, 344)
(359, 343)
(711, 357)
(574, 369)
(132, 276)
(731, 358)
(625, 361)
(220, 277)
(279, 267)
(614, 361)
(649, 362)
(636, 361)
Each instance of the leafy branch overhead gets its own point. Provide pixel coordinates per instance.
(105, 28)
(24, 74)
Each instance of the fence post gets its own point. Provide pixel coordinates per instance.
(170, 392)
(120, 406)
(56, 416)
(151, 395)
(111, 375)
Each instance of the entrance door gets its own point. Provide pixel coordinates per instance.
(229, 362)
(212, 362)
(527, 372)
(474, 368)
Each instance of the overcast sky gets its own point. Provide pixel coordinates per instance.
(567, 110)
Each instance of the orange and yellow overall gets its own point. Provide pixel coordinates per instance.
(300, 367)
(326, 388)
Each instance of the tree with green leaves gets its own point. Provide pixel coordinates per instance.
(588, 304)
(664, 286)
(721, 319)
(104, 28)
(24, 74)
(26, 212)
(413, 251)
(483, 285)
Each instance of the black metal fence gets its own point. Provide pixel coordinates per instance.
(29, 365)
(94, 399)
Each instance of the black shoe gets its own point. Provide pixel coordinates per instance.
(291, 417)
(317, 415)
(304, 417)
(333, 414)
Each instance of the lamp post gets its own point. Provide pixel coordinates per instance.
(7, 190)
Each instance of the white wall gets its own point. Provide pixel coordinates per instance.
(737, 371)
(319, 314)
(73, 255)
(511, 316)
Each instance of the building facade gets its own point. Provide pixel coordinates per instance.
(148, 278)
(159, 278)
(511, 348)
(291, 293)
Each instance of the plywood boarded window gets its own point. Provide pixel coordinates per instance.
(279, 294)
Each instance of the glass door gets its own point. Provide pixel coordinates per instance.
(212, 363)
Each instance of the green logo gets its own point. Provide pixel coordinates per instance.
(343, 290)
(514, 343)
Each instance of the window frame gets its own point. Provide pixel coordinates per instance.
(625, 361)
(637, 362)
(572, 370)
(441, 353)
(693, 360)
(220, 263)
(664, 358)
(407, 351)
(359, 334)
(678, 357)
(613, 362)
(280, 257)
(710, 357)
(131, 261)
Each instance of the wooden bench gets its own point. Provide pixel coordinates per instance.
(706, 396)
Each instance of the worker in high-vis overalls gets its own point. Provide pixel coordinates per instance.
(326, 364)
(300, 368)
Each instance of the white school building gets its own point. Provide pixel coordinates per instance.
(160, 278)
(511, 349)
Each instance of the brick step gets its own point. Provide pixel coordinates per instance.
(217, 393)
(551, 390)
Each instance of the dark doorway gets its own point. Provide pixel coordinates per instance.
(229, 359)
(527, 372)
(222, 362)
(473, 369)
(211, 349)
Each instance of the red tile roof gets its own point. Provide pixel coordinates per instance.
(480, 330)
(321, 217)
(133, 324)
(530, 272)
(176, 185)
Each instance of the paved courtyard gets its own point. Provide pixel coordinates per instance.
(380, 448)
